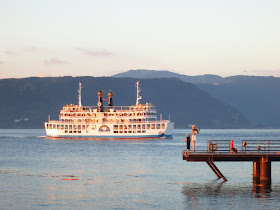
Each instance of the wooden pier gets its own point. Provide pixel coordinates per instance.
(260, 152)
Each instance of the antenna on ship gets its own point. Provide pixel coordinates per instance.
(80, 94)
(138, 98)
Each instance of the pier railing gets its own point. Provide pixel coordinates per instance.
(247, 146)
(271, 146)
(220, 146)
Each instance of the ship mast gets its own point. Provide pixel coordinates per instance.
(80, 94)
(138, 93)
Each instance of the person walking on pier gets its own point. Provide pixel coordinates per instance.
(188, 140)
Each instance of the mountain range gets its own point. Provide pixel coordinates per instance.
(27, 102)
(256, 97)
(148, 74)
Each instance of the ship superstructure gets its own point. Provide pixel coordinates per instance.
(123, 122)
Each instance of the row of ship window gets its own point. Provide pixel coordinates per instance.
(116, 127)
(79, 131)
(129, 131)
(140, 126)
(70, 127)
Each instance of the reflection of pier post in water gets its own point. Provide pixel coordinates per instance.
(260, 152)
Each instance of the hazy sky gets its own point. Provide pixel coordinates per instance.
(101, 38)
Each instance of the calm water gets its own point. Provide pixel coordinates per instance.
(39, 173)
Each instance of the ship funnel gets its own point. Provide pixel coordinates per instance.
(100, 101)
(110, 98)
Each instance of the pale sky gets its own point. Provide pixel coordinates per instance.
(102, 38)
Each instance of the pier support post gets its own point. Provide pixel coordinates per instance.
(213, 169)
(265, 173)
(256, 170)
(216, 170)
(256, 176)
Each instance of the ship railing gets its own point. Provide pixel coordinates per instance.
(53, 121)
(108, 122)
(108, 108)
(109, 117)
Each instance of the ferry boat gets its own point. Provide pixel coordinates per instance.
(109, 122)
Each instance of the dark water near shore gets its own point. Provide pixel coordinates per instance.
(39, 173)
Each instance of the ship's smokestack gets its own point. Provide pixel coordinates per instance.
(110, 98)
(100, 101)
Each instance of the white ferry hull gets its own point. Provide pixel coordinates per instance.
(109, 137)
(109, 134)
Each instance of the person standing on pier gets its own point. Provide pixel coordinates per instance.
(194, 132)
(188, 140)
